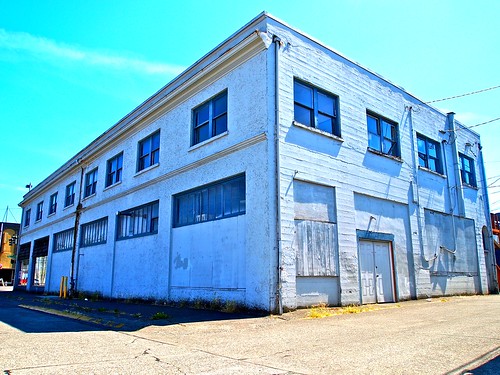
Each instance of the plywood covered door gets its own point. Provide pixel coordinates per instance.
(377, 281)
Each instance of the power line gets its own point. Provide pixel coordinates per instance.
(473, 126)
(459, 96)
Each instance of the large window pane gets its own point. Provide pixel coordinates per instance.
(219, 200)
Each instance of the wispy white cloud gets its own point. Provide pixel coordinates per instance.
(54, 51)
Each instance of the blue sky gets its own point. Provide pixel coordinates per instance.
(70, 70)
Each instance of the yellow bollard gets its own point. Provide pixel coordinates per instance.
(65, 292)
(63, 288)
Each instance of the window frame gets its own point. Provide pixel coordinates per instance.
(204, 204)
(314, 111)
(53, 204)
(69, 199)
(438, 162)
(39, 211)
(65, 237)
(395, 139)
(471, 175)
(152, 156)
(128, 228)
(92, 239)
(114, 173)
(27, 217)
(211, 121)
(90, 186)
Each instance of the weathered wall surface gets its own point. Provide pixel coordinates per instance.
(228, 259)
(395, 191)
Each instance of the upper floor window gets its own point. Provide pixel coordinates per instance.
(69, 197)
(114, 170)
(429, 154)
(210, 118)
(27, 217)
(39, 211)
(138, 221)
(315, 108)
(149, 151)
(90, 182)
(382, 135)
(211, 202)
(53, 203)
(467, 170)
(63, 240)
(94, 233)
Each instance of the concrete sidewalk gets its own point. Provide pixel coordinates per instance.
(442, 335)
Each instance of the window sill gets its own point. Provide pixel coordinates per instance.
(318, 131)
(89, 196)
(68, 206)
(470, 186)
(206, 141)
(51, 214)
(138, 173)
(37, 221)
(376, 152)
(431, 171)
(113, 185)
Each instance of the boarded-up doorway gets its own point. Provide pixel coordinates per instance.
(376, 272)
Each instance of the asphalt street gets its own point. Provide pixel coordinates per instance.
(47, 335)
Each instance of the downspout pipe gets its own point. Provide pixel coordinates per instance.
(452, 208)
(456, 164)
(489, 224)
(78, 212)
(279, 296)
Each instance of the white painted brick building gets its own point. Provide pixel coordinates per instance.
(276, 173)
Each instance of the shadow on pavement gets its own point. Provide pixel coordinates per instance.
(33, 313)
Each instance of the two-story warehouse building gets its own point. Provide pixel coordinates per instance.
(275, 173)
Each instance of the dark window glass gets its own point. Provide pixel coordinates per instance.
(90, 182)
(94, 233)
(216, 201)
(114, 170)
(69, 198)
(53, 203)
(138, 221)
(429, 154)
(149, 151)
(315, 108)
(382, 135)
(39, 211)
(210, 118)
(27, 217)
(467, 170)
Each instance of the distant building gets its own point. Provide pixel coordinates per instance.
(8, 236)
(495, 224)
(276, 173)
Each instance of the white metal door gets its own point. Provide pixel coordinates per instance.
(376, 272)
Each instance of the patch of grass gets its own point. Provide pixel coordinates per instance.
(230, 307)
(444, 300)
(199, 304)
(137, 315)
(102, 309)
(160, 315)
(319, 311)
(216, 304)
(116, 311)
(96, 296)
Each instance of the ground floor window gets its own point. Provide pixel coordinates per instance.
(216, 201)
(23, 272)
(40, 271)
